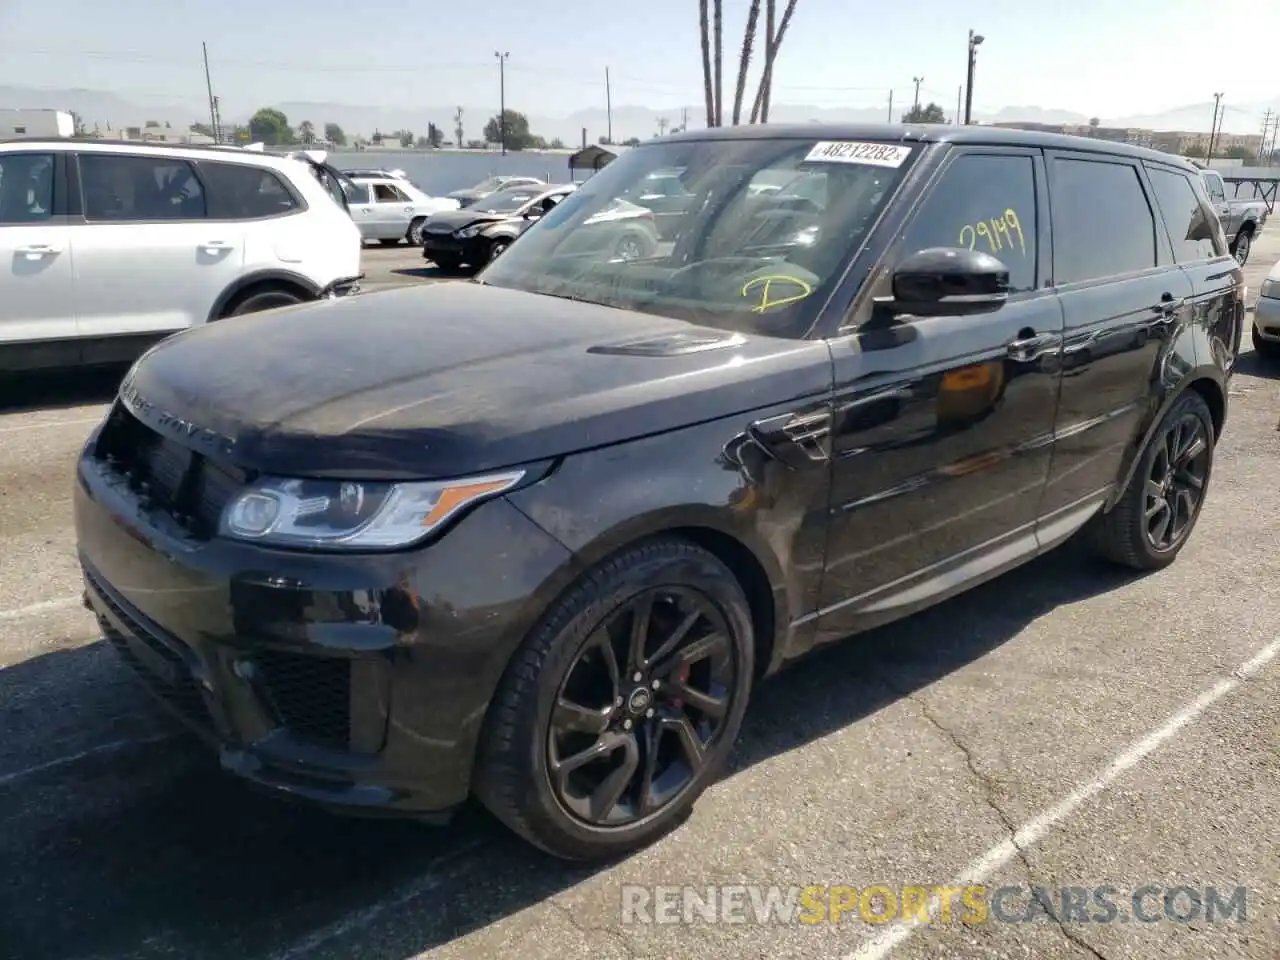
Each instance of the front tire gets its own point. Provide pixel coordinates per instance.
(1153, 520)
(583, 759)
(447, 262)
(1242, 246)
(262, 300)
(495, 250)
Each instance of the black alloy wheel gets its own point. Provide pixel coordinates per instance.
(1153, 519)
(629, 248)
(621, 705)
(496, 249)
(1176, 482)
(642, 703)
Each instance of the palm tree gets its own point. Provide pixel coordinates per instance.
(307, 131)
(706, 63)
(760, 110)
(744, 61)
(719, 32)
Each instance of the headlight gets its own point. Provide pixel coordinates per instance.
(467, 233)
(350, 515)
(1271, 289)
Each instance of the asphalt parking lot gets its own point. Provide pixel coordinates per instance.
(1065, 726)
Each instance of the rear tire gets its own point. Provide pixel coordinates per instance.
(557, 804)
(413, 236)
(1166, 475)
(261, 300)
(1267, 349)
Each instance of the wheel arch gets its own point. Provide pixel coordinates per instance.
(306, 288)
(1205, 381)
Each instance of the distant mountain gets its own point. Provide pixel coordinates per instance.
(101, 108)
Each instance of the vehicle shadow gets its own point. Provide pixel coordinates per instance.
(57, 390)
(153, 852)
(1251, 363)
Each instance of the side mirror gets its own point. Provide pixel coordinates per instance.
(533, 214)
(948, 281)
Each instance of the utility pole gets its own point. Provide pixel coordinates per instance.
(213, 108)
(959, 97)
(891, 104)
(975, 39)
(1266, 129)
(684, 119)
(608, 105)
(217, 121)
(502, 98)
(915, 104)
(1213, 127)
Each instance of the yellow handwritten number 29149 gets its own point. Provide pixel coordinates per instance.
(998, 232)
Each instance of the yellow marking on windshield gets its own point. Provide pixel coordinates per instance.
(766, 283)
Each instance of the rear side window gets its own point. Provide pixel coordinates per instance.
(1192, 227)
(239, 191)
(118, 187)
(1102, 222)
(26, 187)
(389, 193)
(983, 202)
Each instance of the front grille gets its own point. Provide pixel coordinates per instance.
(151, 657)
(165, 475)
(310, 695)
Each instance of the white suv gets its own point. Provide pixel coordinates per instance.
(107, 247)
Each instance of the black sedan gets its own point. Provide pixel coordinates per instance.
(536, 537)
(469, 195)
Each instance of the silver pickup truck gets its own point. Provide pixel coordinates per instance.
(1242, 220)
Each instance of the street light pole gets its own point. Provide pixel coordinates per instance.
(1213, 127)
(975, 39)
(502, 98)
(915, 104)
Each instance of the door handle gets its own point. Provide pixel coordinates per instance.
(35, 251)
(214, 246)
(1168, 307)
(408, 209)
(1030, 346)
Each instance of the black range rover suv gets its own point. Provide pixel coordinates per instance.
(535, 537)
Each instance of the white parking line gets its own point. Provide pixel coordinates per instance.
(55, 423)
(35, 609)
(882, 944)
(112, 747)
(415, 888)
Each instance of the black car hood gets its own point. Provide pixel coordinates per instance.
(457, 219)
(450, 379)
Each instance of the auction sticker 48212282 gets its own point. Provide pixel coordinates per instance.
(868, 154)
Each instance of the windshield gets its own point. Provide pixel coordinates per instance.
(504, 201)
(753, 242)
(493, 183)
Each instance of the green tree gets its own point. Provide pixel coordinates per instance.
(631, 142)
(1093, 126)
(77, 125)
(201, 128)
(557, 144)
(152, 124)
(307, 131)
(405, 137)
(457, 126)
(271, 127)
(1240, 153)
(929, 113)
(435, 136)
(517, 132)
(333, 133)
(1194, 150)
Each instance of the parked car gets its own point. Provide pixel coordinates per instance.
(492, 185)
(389, 210)
(665, 194)
(376, 173)
(537, 537)
(1242, 220)
(1266, 316)
(110, 246)
(480, 231)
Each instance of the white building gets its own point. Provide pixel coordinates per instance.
(36, 123)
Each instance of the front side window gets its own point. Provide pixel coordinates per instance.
(239, 191)
(26, 187)
(512, 201)
(983, 202)
(1217, 192)
(357, 192)
(1102, 222)
(746, 255)
(1192, 228)
(120, 187)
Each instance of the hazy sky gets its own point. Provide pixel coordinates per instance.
(1097, 57)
